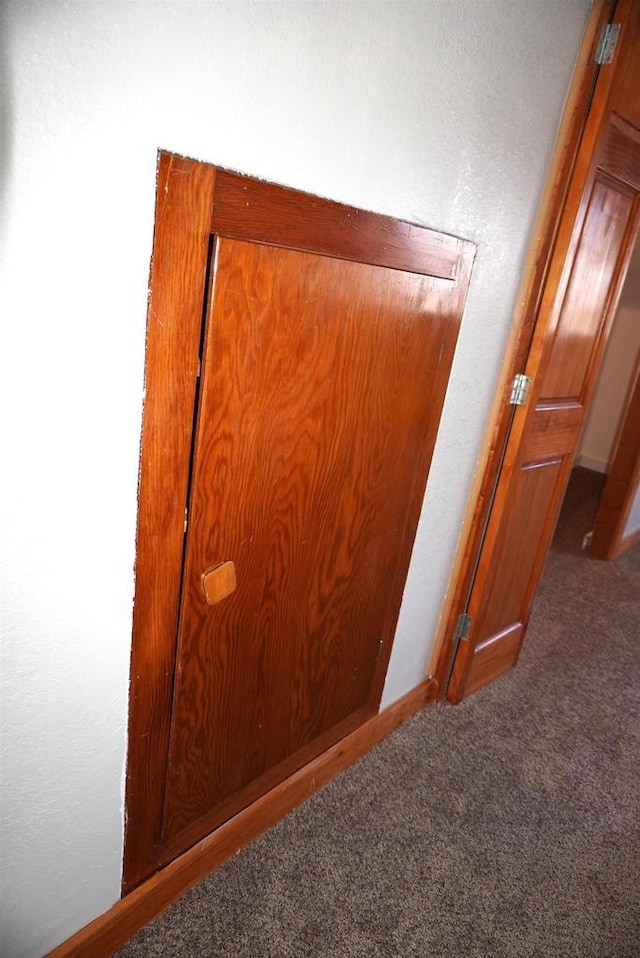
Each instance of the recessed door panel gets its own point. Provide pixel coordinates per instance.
(502, 598)
(318, 380)
(583, 313)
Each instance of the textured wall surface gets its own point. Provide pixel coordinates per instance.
(610, 396)
(439, 112)
(619, 364)
(633, 519)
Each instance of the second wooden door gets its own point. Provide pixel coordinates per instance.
(597, 234)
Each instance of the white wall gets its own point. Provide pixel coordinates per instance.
(633, 519)
(439, 112)
(611, 393)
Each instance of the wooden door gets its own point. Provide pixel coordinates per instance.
(595, 240)
(617, 525)
(285, 523)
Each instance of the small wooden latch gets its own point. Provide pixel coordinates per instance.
(218, 582)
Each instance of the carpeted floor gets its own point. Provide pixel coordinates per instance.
(506, 826)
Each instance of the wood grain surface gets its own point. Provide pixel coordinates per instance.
(318, 382)
(180, 252)
(266, 213)
(293, 400)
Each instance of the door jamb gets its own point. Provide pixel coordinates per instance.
(180, 247)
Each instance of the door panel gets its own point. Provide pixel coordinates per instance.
(501, 605)
(324, 354)
(563, 363)
(553, 428)
(566, 362)
(306, 449)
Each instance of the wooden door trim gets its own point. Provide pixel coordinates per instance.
(177, 292)
(249, 209)
(109, 931)
(193, 200)
(584, 112)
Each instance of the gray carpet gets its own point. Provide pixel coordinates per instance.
(506, 826)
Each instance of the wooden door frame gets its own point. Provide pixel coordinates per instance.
(184, 195)
(583, 118)
(195, 200)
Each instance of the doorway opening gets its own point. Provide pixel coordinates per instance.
(585, 499)
(605, 455)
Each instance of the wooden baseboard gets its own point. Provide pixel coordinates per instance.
(591, 462)
(101, 937)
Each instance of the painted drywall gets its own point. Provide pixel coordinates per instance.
(439, 112)
(632, 524)
(611, 392)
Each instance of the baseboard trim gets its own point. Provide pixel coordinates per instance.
(105, 934)
(592, 462)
